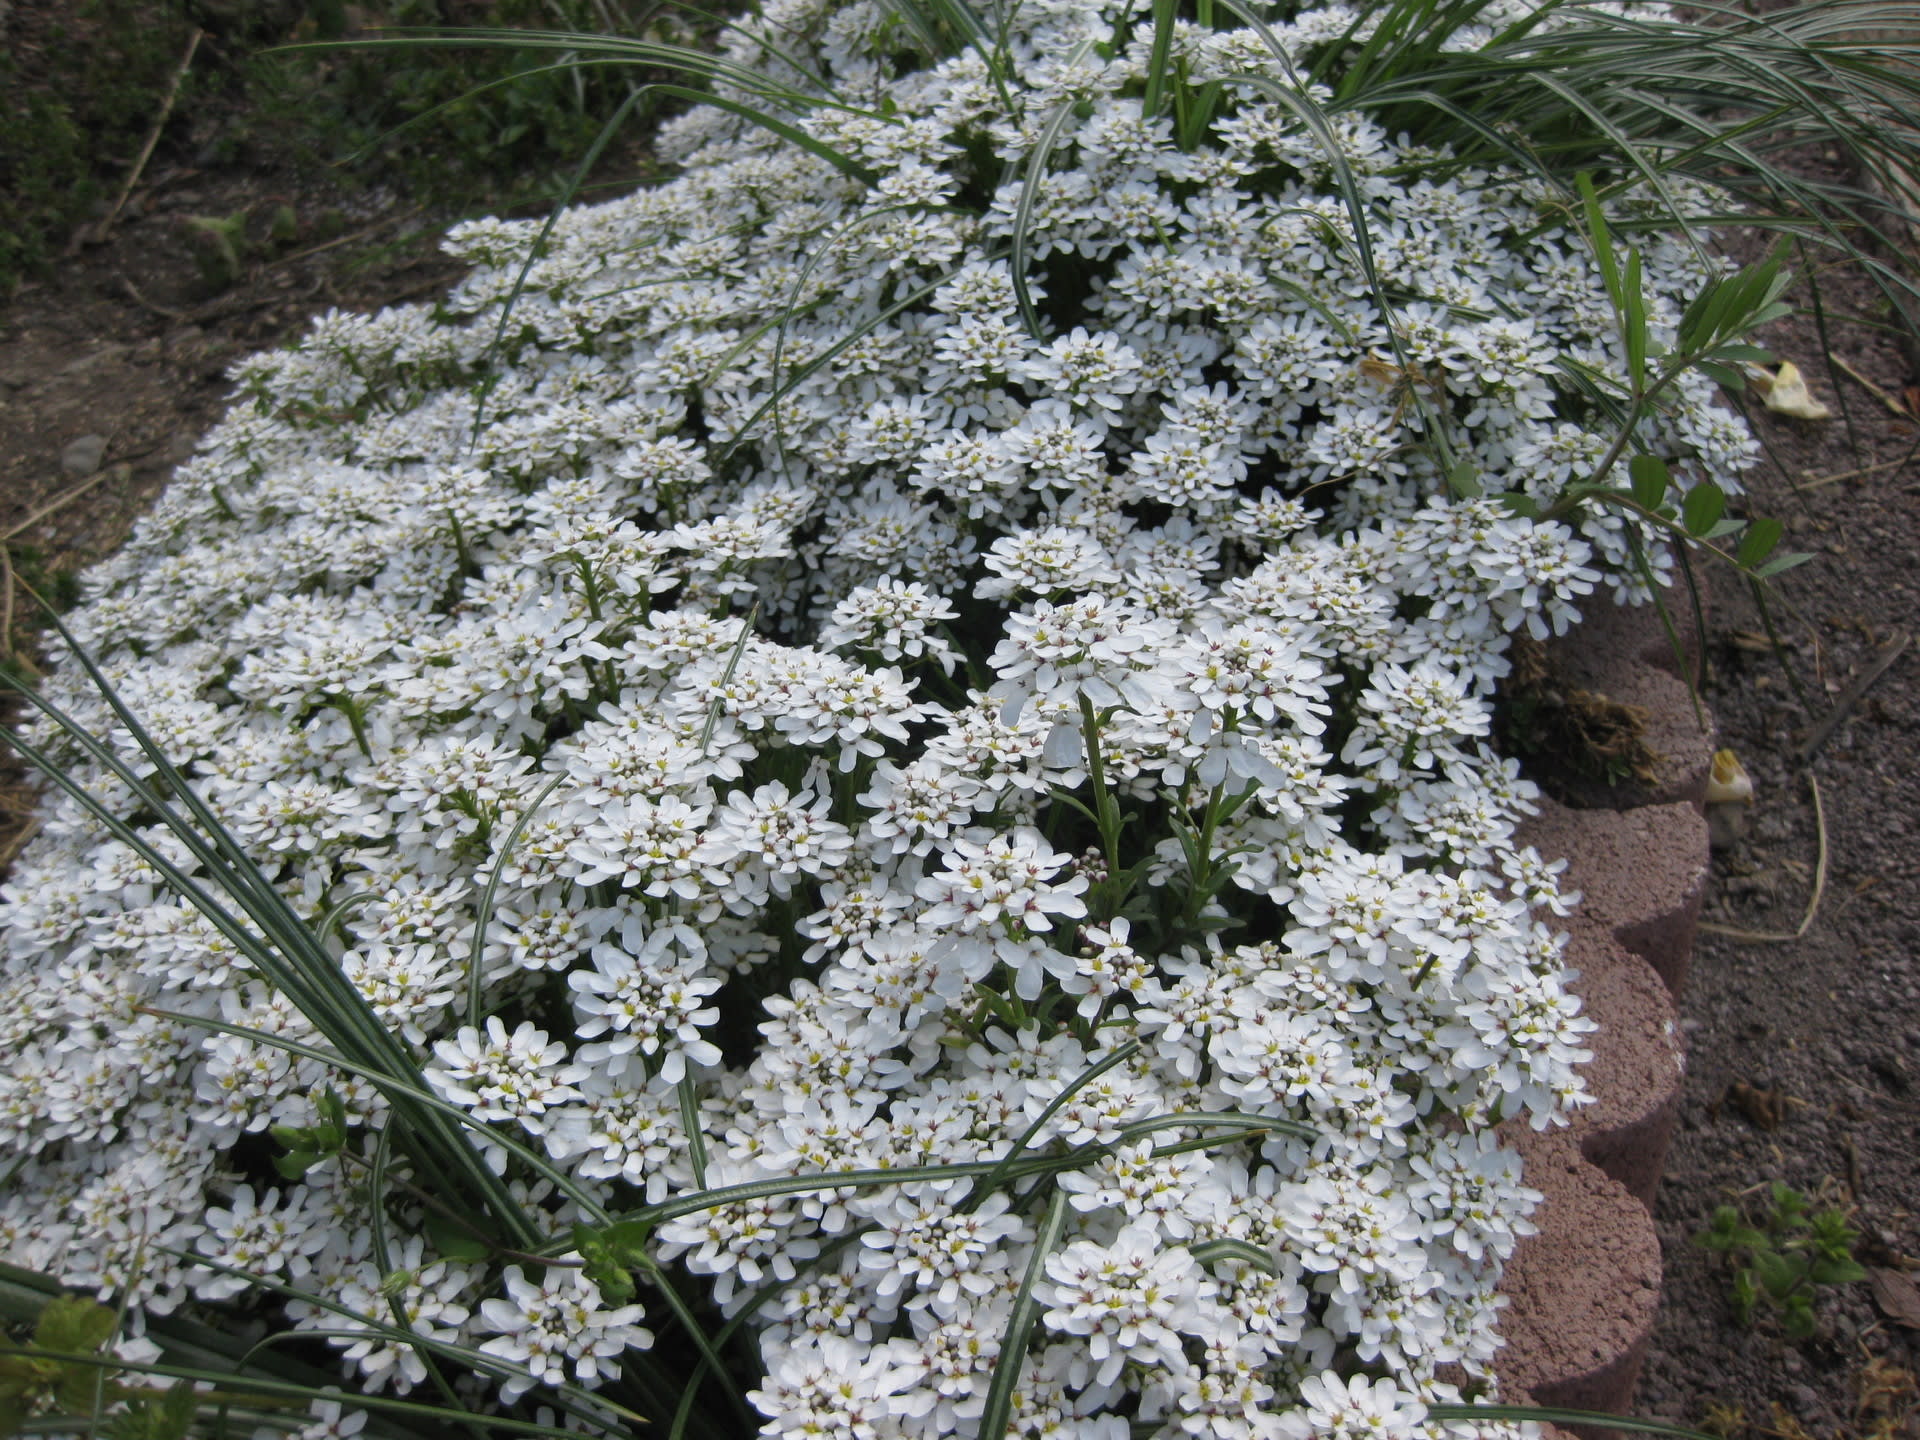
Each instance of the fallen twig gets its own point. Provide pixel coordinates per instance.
(347, 239)
(419, 288)
(60, 502)
(165, 311)
(6, 599)
(1815, 482)
(99, 231)
(1892, 402)
(1850, 697)
(18, 841)
(1777, 937)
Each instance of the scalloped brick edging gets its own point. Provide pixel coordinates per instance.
(1584, 1290)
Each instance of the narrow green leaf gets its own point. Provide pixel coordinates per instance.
(1036, 172)
(1165, 12)
(997, 1176)
(1208, 1252)
(1600, 237)
(997, 1413)
(483, 915)
(1633, 310)
(1781, 563)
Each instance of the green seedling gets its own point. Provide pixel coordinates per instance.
(1782, 1261)
(220, 245)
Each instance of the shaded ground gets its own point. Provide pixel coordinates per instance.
(1805, 1052)
(128, 344)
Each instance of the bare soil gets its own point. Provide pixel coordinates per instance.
(1805, 1050)
(1803, 1012)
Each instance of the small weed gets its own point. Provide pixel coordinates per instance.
(1594, 735)
(1784, 1257)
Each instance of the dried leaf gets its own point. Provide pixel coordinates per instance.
(1765, 1108)
(1897, 1296)
(1788, 395)
(1728, 781)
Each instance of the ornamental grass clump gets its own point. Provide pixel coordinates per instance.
(852, 795)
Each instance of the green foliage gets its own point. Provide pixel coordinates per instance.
(1782, 1258)
(1711, 338)
(220, 247)
(458, 125)
(308, 1145)
(51, 1371)
(76, 95)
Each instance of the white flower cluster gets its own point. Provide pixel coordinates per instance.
(902, 740)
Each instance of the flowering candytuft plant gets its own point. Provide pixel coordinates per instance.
(872, 765)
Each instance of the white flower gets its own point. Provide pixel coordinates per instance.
(1356, 1409)
(766, 840)
(501, 1076)
(252, 1238)
(648, 991)
(1131, 1299)
(1006, 878)
(1089, 371)
(559, 1331)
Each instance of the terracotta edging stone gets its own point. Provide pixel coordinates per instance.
(1583, 1291)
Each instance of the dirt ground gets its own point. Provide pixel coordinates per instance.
(1805, 1050)
(1803, 1013)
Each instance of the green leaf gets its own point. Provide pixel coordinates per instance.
(1778, 1273)
(333, 1110)
(602, 1266)
(1796, 1317)
(1779, 563)
(295, 1163)
(1725, 376)
(1758, 542)
(74, 1325)
(1634, 321)
(1518, 502)
(1744, 1296)
(1650, 480)
(1600, 237)
(453, 1243)
(1464, 480)
(1164, 14)
(1702, 508)
(1843, 1270)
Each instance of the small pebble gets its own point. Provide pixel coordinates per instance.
(81, 458)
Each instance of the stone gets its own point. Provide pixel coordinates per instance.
(83, 456)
